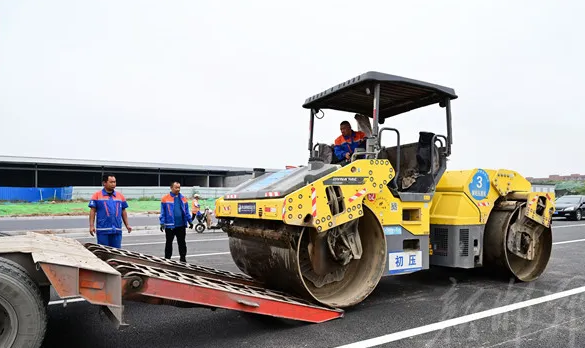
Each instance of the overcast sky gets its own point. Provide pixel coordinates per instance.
(199, 82)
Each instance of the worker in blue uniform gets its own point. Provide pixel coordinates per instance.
(174, 217)
(109, 206)
(347, 142)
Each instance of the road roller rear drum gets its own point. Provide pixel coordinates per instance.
(515, 244)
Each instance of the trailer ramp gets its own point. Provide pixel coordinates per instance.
(155, 280)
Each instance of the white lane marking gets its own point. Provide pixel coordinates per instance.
(196, 255)
(567, 226)
(133, 235)
(142, 233)
(220, 239)
(78, 299)
(461, 320)
(569, 241)
(188, 241)
(225, 253)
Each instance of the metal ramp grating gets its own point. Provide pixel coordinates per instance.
(105, 253)
(152, 279)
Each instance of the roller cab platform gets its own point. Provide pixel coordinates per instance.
(106, 276)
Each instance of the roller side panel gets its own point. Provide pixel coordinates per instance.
(407, 252)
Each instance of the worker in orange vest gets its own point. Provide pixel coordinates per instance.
(347, 142)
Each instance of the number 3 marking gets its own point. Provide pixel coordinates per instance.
(479, 181)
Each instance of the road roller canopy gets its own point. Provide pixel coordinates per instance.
(397, 95)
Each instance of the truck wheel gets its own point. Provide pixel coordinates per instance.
(23, 316)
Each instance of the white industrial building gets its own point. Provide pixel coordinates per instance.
(543, 188)
(59, 172)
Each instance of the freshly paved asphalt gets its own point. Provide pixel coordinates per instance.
(397, 304)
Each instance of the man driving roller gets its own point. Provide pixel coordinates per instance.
(348, 141)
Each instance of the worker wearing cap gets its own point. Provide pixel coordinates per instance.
(348, 141)
(195, 207)
(174, 217)
(208, 217)
(110, 208)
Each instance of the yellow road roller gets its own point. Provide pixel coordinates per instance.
(329, 230)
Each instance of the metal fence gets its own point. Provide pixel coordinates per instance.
(35, 194)
(154, 192)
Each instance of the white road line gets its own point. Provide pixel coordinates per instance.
(77, 299)
(144, 233)
(567, 226)
(135, 234)
(196, 255)
(221, 239)
(225, 253)
(461, 320)
(188, 241)
(569, 241)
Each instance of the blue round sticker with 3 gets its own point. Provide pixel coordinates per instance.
(480, 185)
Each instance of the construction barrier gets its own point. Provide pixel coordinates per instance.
(36, 194)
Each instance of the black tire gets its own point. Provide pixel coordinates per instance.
(23, 316)
(200, 228)
(45, 290)
(578, 215)
(14, 264)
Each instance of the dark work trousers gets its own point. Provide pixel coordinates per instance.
(179, 232)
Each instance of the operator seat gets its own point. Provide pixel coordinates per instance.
(415, 164)
(423, 153)
(424, 177)
(364, 125)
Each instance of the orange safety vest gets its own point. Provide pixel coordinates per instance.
(195, 206)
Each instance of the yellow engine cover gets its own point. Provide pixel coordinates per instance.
(466, 197)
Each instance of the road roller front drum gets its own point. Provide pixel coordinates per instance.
(338, 270)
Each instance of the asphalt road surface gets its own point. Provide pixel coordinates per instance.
(423, 303)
